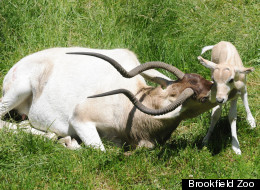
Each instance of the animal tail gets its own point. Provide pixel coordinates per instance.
(206, 49)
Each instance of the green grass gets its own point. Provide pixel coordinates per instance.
(170, 31)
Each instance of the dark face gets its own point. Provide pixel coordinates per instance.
(200, 86)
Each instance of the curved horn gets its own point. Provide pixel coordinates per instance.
(183, 96)
(143, 67)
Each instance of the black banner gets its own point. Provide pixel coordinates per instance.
(220, 183)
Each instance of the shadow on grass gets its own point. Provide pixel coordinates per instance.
(219, 140)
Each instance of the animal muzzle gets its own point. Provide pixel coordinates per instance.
(222, 93)
(221, 99)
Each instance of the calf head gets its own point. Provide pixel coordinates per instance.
(224, 76)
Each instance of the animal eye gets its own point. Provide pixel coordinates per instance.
(204, 99)
(231, 80)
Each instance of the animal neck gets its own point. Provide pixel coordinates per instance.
(140, 126)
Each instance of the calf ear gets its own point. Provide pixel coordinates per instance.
(207, 63)
(245, 70)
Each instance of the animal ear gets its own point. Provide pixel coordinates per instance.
(245, 70)
(207, 63)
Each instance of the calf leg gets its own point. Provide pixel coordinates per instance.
(249, 117)
(215, 115)
(232, 116)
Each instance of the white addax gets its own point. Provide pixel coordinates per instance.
(52, 88)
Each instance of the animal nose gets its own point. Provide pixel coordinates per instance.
(220, 100)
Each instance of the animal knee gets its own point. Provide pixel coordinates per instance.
(87, 132)
(69, 143)
(232, 118)
(146, 144)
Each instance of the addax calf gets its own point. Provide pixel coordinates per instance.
(229, 76)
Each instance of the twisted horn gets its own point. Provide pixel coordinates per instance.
(183, 96)
(146, 66)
